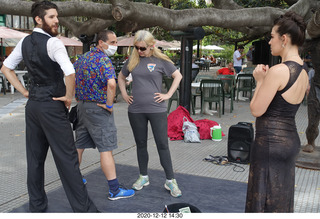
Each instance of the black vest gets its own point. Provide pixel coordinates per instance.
(46, 76)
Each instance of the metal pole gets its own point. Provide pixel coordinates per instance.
(1, 52)
(198, 49)
(186, 38)
(186, 71)
(87, 41)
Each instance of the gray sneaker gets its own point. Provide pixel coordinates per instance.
(173, 188)
(140, 183)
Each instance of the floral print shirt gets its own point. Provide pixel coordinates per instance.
(93, 70)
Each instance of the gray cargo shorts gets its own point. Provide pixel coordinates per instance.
(95, 128)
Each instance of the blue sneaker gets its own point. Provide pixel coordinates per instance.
(84, 181)
(123, 193)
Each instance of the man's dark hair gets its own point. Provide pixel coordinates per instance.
(39, 9)
(240, 47)
(103, 35)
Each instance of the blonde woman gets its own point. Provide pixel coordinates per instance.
(147, 65)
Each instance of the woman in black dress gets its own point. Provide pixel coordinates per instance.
(277, 97)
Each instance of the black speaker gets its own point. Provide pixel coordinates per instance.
(240, 137)
(261, 53)
(177, 206)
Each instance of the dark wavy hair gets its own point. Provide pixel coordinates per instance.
(39, 9)
(292, 24)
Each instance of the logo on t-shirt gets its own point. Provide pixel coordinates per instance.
(151, 67)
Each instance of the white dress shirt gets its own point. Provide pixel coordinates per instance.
(56, 51)
(236, 55)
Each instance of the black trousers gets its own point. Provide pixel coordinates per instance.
(159, 125)
(47, 126)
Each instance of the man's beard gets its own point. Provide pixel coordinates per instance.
(48, 29)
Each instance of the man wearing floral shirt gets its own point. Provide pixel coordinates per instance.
(95, 92)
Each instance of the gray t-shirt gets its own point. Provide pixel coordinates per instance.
(146, 81)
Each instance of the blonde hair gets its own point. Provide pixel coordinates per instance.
(148, 38)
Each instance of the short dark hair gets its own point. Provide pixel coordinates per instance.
(292, 24)
(240, 47)
(103, 35)
(39, 9)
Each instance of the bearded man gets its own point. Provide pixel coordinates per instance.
(50, 98)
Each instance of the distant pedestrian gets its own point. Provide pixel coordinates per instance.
(147, 66)
(237, 59)
(310, 75)
(95, 92)
(250, 57)
(308, 60)
(50, 98)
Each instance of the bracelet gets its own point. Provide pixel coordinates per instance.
(109, 107)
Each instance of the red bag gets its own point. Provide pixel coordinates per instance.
(204, 126)
(175, 123)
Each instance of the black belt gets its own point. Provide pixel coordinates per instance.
(41, 85)
(89, 101)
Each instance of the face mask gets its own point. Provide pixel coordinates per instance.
(111, 50)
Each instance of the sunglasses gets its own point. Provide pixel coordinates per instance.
(140, 48)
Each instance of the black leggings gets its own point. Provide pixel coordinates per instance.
(139, 125)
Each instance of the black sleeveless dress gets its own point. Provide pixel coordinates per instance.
(273, 154)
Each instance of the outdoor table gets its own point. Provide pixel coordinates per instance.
(20, 74)
(197, 85)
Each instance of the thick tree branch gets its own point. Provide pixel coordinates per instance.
(301, 7)
(66, 9)
(88, 28)
(313, 27)
(151, 15)
(15, 7)
(132, 16)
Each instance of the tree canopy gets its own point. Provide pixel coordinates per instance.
(241, 19)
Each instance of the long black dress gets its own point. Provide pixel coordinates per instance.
(273, 154)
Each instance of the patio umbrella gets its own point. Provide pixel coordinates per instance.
(70, 41)
(208, 47)
(195, 47)
(163, 44)
(174, 48)
(125, 41)
(212, 47)
(8, 42)
(168, 45)
(7, 33)
(175, 43)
